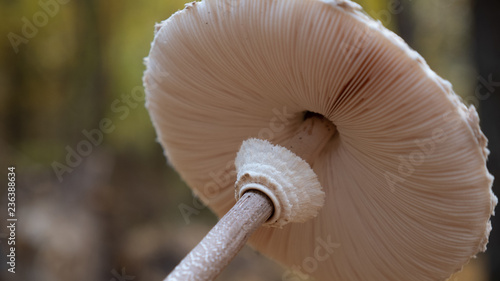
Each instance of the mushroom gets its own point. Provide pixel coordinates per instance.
(294, 87)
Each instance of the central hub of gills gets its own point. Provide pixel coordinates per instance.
(284, 173)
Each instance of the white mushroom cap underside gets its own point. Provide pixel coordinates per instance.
(408, 195)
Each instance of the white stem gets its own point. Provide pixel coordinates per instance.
(224, 241)
(310, 139)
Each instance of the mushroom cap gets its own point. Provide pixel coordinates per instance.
(408, 194)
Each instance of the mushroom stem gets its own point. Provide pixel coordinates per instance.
(225, 239)
(223, 242)
(311, 137)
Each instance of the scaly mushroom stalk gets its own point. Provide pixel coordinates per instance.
(225, 239)
(257, 203)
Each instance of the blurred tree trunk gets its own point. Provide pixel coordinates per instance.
(31, 110)
(405, 21)
(486, 36)
(88, 81)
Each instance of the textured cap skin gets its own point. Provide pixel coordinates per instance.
(408, 195)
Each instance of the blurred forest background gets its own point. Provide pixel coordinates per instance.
(69, 69)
